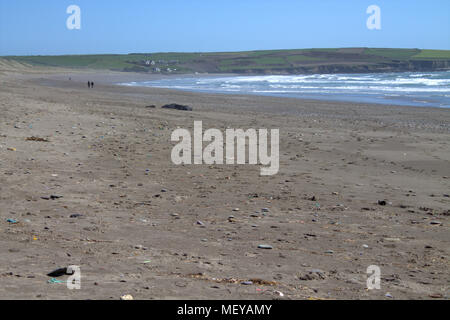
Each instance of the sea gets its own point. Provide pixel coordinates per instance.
(421, 89)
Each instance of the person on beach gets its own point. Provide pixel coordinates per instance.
(89, 84)
(92, 84)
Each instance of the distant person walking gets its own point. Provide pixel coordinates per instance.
(92, 84)
(89, 84)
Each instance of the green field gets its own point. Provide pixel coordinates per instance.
(433, 54)
(394, 54)
(264, 61)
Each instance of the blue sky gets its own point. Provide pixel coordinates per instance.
(39, 26)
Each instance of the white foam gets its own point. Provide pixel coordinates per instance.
(418, 86)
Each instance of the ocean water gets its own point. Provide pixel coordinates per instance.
(425, 89)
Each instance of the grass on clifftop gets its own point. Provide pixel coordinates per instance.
(245, 61)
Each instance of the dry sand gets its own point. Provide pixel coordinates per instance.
(108, 156)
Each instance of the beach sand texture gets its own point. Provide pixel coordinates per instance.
(137, 224)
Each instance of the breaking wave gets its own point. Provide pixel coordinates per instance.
(405, 88)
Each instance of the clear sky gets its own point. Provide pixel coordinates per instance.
(32, 27)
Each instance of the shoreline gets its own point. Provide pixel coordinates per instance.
(324, 99)
(122, 78)
(375, 97)
(117, 78)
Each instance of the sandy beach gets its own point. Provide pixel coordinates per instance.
(86, 179)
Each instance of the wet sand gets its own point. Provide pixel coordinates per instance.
(137, 224)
